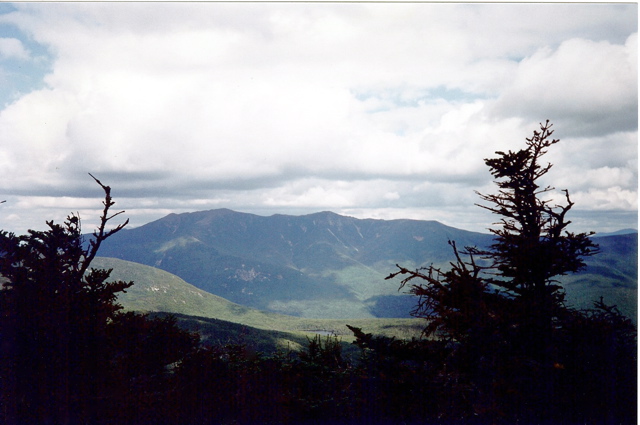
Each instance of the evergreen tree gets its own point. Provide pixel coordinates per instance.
(67, 355)
(532, 247)
(502, 307)
(55, 309)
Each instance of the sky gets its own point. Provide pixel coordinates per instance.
(371, 110)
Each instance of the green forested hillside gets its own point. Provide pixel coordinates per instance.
(611, 274)
(155, 290)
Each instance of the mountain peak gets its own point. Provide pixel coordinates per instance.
(617, 233)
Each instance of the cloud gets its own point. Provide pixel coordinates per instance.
(592, 165)
(381, 109)
(12, 48)
(610, 199)
(588, 87)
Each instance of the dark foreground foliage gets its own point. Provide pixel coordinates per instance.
(392, 381)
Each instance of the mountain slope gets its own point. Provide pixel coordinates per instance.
(611, 274)
(317, 265)
(155, 290)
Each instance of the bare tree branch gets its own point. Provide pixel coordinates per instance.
(101, 233)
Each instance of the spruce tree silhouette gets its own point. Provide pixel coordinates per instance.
(55, 310)
(499, 306)
(67, 353)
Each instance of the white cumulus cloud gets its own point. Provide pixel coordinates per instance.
(374, 109)
(12, 48)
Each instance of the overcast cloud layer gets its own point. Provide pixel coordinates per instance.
(368, 110)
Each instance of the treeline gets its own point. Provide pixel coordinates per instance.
(500, 345)
(152, 372)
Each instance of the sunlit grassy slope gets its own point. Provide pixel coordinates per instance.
(155, 290)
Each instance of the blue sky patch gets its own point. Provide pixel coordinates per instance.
(18, 75)
(405, 97)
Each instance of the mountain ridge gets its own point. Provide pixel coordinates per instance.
(228, 211)
(316, 265)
